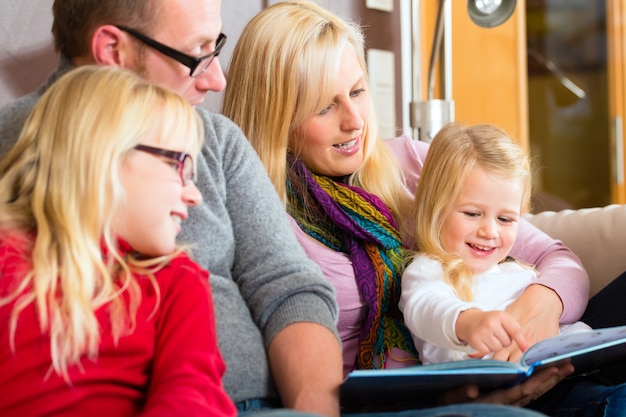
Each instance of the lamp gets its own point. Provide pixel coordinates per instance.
(428, 116)
(490, 13)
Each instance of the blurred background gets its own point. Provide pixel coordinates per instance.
(552, 75)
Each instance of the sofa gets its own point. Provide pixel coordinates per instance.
(596, 235)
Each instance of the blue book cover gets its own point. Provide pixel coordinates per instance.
(587, 351)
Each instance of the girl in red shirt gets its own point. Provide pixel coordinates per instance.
(101, 313)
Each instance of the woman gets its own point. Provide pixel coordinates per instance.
(101, 313)
(301, 97)
(299, 93)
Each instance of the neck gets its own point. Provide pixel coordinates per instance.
(345, 179)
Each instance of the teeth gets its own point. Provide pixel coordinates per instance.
(177, 218)
(484, 248)
(346, 145)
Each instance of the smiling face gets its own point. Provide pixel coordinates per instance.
(192, 27)
(155, 202)
(482, 224)
(331, 142)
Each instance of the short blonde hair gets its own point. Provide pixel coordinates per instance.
(59, 185)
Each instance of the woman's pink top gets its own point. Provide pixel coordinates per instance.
(559, 269)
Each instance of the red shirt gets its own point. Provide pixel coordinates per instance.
(170, 365)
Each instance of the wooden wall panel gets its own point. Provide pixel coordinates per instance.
(489, 74)
(617, 99)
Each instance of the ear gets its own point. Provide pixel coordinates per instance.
(111, 46)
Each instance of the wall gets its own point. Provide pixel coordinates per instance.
(26, 52)
(27, 55)
(236, 13)
(489, 76)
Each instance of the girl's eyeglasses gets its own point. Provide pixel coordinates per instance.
(184, 161)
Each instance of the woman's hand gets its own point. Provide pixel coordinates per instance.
(529, 390)
(538, 311)
(519, 395)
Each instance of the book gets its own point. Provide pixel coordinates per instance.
(587, 351)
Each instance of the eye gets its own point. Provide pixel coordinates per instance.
(325, 109)
(357, 92)
(471, 214)
(505, 220)
(174, 165)
(201, 50)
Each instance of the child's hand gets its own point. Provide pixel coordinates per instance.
(489, 331)
(538, 311)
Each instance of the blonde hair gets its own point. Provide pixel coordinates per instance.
(283, 71)
(59, 185)
(454, 152)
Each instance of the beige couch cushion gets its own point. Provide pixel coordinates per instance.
(596, 235)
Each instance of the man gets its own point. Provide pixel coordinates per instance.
(271, 302)
(275, 312)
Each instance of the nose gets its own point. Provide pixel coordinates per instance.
(352, 119)
(488, 229)
(213, 79)
(191, 195)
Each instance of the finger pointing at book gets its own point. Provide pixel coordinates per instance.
(488, 331)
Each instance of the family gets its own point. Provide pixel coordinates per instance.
(158, 259)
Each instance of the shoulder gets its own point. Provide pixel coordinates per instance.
(183, 265)
(224, 140)
(407, 149)
(183, 262)
(12, 119)
(410, 154)
(512, 266)
(18, 109)
(182, 272)
(14, 257)
(15, 243)
(423, 263)
(14, 115)
(184, 294)
(217, 125)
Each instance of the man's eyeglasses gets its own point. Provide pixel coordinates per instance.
(196, 65)
(184, 161)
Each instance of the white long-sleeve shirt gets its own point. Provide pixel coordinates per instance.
(431, 307)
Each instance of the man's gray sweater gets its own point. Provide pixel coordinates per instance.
(261, 278)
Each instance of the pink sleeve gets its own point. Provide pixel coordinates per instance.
(558, 267)
(188, 368)
(410, 155)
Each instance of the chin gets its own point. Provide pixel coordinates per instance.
(167, 251)
(159, 251)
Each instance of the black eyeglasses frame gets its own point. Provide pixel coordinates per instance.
(191, 62)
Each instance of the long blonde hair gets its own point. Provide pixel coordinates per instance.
(453, 153)
(58, 188)
(282, 72)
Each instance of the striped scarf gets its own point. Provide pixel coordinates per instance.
(350, 220)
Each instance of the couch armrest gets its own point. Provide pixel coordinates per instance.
(596, 235)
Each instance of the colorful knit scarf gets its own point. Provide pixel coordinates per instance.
(350, 220)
